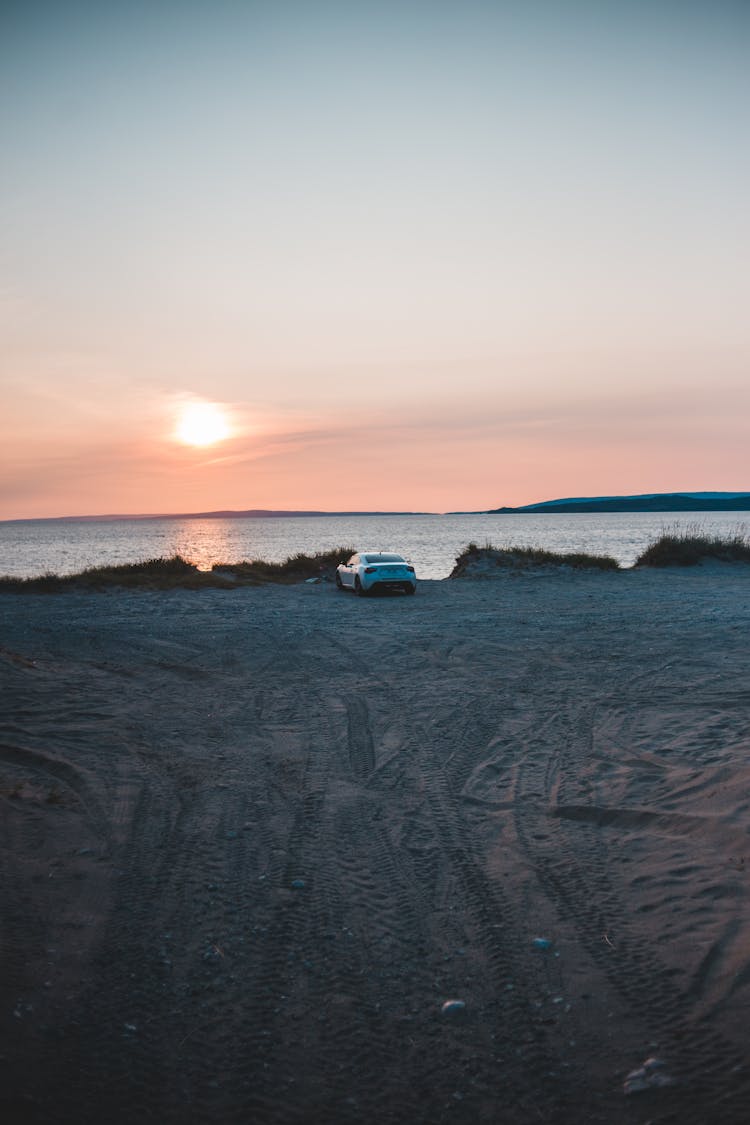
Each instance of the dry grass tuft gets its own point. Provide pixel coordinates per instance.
(474, 559)
(177, 573)
(151, 574)
(692, 545)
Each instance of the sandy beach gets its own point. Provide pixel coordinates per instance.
(253, 841)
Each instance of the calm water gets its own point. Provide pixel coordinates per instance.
(32, 547)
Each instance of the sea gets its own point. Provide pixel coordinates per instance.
(29, 548)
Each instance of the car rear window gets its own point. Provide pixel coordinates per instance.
(381, 558)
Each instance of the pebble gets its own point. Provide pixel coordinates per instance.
(648, 1076)
(298, 884)
(450, 1007)
(541, 943)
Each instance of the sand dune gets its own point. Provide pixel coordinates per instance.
(253, 840)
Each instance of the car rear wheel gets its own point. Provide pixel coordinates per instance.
(358, 589)
(409, 589)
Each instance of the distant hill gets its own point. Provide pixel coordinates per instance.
(648, 502)
(250, 513)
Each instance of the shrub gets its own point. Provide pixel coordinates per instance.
(151, 574)
(691, 545)
(298, 568)
(178, 573)
(525, 558)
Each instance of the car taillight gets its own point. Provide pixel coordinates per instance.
(410, 568)
(370, 569)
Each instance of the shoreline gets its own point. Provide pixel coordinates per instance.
(431, 544)
(486, 564)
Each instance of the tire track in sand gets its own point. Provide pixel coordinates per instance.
(576, 870)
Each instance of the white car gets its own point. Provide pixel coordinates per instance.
(366, 573)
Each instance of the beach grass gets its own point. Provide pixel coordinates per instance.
(474, 558)
(692, 545)
(178, 573)
(297, 568)
(152, 574)
(675, 547)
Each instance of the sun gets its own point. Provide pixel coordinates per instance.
(202, 423)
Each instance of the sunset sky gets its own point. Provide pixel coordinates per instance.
(414, 256)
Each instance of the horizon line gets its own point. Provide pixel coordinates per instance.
(270, 513)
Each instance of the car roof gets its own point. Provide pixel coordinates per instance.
(388, 556)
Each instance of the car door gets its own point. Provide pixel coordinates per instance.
(347, 576)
